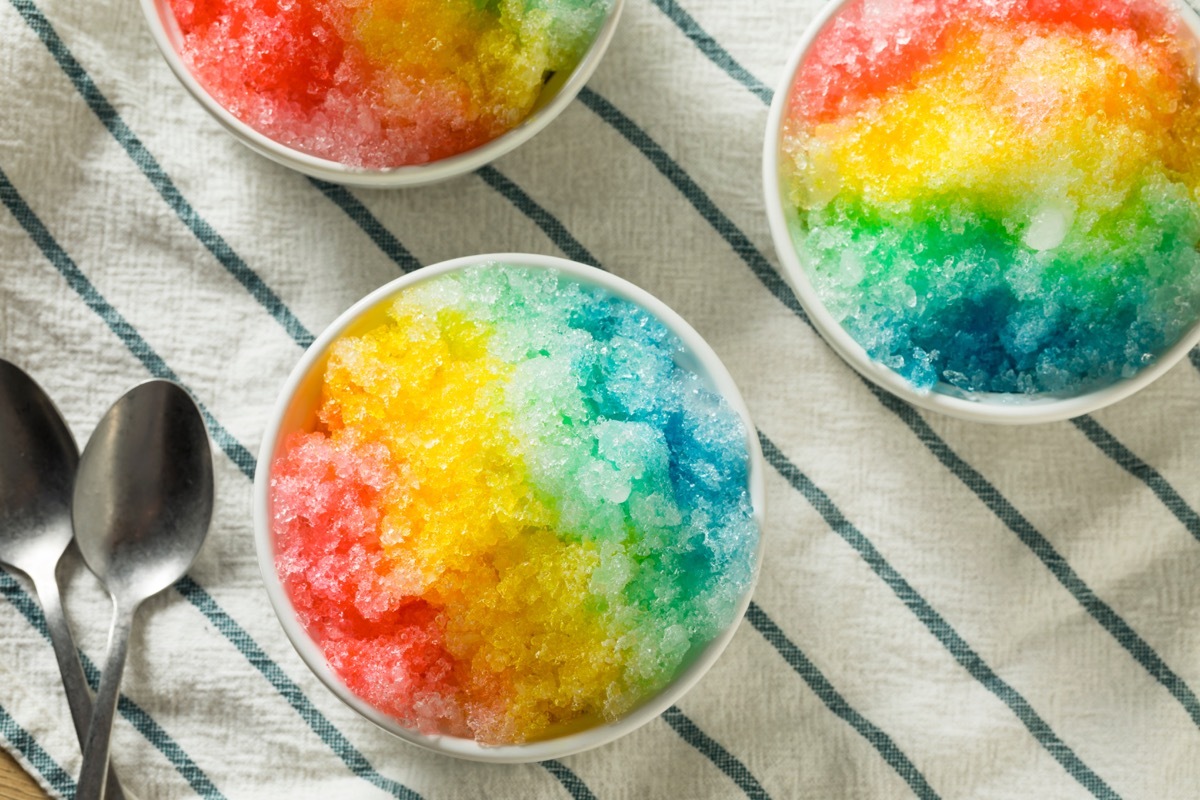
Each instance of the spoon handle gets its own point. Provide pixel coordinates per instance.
(79, 696)
(95, 750)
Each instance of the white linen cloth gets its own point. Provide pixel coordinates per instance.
(947, 609)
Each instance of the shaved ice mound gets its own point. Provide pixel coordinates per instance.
(1000, 196)
(380, 84)
(518, 513)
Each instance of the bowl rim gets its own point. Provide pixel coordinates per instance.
(714, 371)
(165, 32)
(991, 407)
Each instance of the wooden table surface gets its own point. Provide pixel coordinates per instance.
(15, 784)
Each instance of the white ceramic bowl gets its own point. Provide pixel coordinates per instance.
(943, 398)
(296, 410)
(555, 96)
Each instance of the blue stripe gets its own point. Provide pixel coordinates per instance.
(724, 226)
(341, 197)
(244, 642)
(950, 639)
(156, 735)
(736, 770)
(141, 721)
(158, 178)
(713, 50)
(550, 225)
(391, 246)
(570, 781)
(27, 746)
(154, 363)
(823, 689)
(1142, 471)
(1137, 647)
(113, 318)
(1125, 635)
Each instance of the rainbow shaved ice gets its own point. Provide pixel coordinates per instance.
(517, 515)
(383, 83)
(1000, 195)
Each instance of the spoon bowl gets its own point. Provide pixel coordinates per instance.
(144, 491)
(37, 472)
(142, 506)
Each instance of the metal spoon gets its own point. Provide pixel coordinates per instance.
(143, 503)
(37, 470)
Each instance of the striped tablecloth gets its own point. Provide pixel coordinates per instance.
(947, 610)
